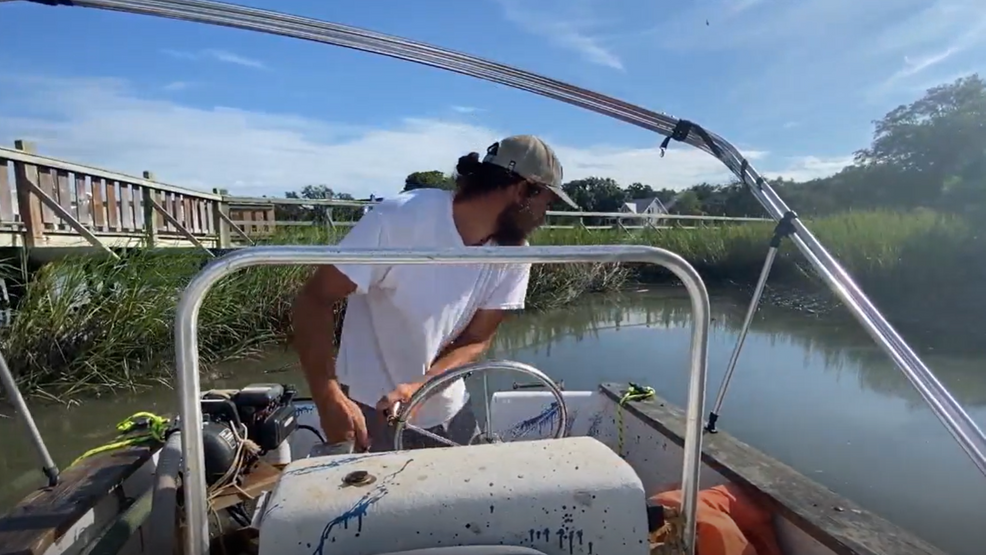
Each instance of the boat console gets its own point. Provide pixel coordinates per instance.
(555, 496)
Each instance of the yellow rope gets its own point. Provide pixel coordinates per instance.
(633, 393)
(142, 427)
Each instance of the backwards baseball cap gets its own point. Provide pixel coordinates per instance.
(532, 159)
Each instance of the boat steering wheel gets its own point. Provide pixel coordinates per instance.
(437, 383)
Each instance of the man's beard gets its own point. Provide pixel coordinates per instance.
(515, 224)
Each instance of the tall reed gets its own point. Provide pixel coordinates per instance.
(88, 325)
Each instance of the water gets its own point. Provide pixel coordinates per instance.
(812, 392)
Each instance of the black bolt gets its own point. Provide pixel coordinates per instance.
(356, 477)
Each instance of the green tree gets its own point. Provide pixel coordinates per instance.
(596, 194)
(433, 179)
(316, 213)
(938, 140)
(640, 190)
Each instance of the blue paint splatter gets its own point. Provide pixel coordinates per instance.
(547, 420)
(359, 509)
(334, 463)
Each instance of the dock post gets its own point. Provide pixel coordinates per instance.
(220, 208)
(28, 204)
(150, 218)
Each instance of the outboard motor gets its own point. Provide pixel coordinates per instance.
(241, 426)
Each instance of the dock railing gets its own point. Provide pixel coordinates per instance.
(47, 202)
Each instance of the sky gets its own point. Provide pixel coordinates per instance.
(794, 84)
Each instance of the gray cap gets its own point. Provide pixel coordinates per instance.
(530, 158)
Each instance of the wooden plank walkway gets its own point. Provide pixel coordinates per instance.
(64, 207)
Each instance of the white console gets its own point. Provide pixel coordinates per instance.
(568, 496)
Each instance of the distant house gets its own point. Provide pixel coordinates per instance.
(650, 205)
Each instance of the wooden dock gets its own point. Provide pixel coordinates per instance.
(52, 208)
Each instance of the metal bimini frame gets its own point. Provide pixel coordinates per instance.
(187, 346)
(949, 412)
(8, 384)
(946, 408)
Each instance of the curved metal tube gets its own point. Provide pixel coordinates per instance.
(187, 345)
(946, 408)
(441, 380)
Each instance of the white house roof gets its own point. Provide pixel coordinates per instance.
(640, 205)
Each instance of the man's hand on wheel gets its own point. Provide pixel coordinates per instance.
(389, 405)
(342, 420)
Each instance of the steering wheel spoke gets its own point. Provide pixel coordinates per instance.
(431, 435)
(440, 382)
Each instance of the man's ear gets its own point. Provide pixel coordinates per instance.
(513, 192)
(518, 191)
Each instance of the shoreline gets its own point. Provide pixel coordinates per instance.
(85, 326)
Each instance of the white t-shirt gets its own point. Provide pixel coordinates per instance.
(402, 316)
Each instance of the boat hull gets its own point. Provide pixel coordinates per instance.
(809, 519)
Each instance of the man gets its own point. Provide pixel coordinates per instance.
(407, 323)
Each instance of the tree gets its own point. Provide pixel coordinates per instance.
(433, 179)
(687, 203)
(640, 190)
(316, 213)
(596, 194)
(939, 139)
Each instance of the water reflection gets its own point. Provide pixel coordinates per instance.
(837, 342)
(813, 392)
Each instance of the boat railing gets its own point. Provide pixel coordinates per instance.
(187, 348)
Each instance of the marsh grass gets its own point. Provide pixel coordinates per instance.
(87, 325)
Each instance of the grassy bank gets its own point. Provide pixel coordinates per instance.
(85, 326)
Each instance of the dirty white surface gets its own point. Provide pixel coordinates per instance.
(569, 496)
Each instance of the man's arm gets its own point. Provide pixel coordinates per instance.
(470, 344)
(313, 322)
(312, 311)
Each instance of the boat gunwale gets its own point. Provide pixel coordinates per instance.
(45, 515)
(836, 522)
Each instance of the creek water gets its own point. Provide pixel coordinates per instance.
(812, 391)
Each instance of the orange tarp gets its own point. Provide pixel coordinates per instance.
(729, 522)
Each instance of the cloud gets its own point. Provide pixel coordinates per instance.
(803, 168)
(176, 86)
(733, 7)
(466, 109)
(560, 26)
(107, 123)
(223, 56)
(928, 41)
(797, 58)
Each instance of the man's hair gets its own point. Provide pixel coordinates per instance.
(474, 178)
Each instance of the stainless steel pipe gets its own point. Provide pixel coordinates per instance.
(187, 349)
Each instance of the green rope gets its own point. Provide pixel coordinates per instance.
(633, 393)
(143, 427)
